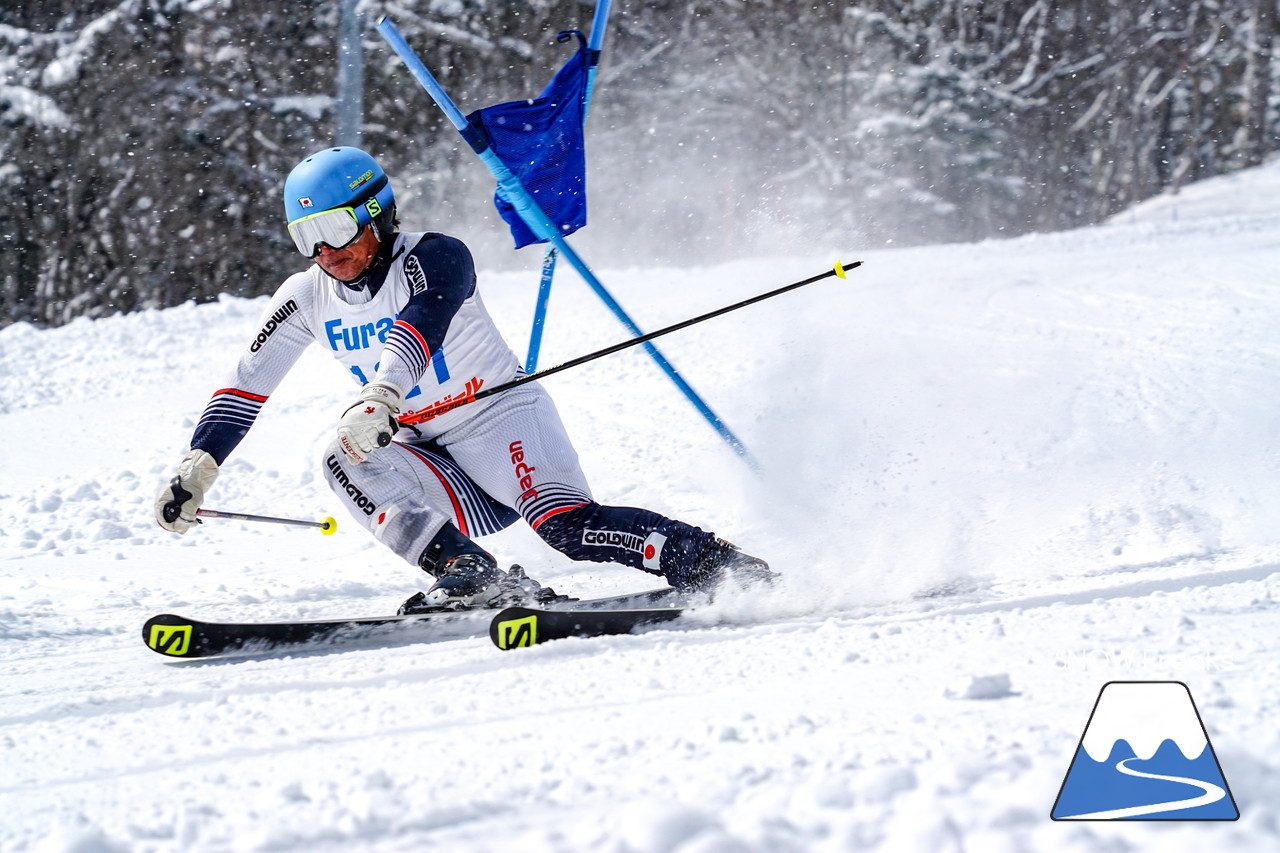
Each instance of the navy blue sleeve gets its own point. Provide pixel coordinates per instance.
(442, 276)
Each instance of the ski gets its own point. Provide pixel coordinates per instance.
(177, 636)
(182, 637)
(518, 627)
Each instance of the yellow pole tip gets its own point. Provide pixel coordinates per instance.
(329, 525)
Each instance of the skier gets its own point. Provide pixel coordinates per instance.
(401, 312)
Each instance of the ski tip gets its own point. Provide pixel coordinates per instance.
(328, 525)
(169, 635)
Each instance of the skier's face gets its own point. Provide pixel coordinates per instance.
(349, 263)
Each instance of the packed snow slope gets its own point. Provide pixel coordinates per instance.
(995, 476)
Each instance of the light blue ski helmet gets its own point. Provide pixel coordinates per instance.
(340, 177)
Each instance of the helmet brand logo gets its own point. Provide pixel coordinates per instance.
(362, 180)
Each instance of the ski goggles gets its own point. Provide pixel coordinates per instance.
(337, 228)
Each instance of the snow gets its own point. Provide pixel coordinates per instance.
(996, 476)
(65, 68)
(313, 106)
(22, 102)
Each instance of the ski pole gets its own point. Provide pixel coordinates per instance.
(838, 270)
(327, 524)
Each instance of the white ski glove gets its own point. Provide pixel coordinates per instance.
(371, 422)
(178, 500)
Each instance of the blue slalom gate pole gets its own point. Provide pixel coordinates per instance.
(541, 224)
(598, 23)
(594, 40)
(540, 310)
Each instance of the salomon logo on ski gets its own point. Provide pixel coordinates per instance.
(517, 633)
(170, 639)
(517, 627)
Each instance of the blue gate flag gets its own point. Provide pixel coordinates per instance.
(540, 141)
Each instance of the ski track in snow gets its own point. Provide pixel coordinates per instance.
(996, 477)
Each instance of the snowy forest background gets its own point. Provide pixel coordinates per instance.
(144, 142)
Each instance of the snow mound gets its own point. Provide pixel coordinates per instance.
(996, 477)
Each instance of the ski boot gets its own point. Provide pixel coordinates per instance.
(469, 582)
(722, 561)
(468, 576)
